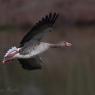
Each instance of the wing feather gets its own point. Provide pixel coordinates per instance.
(31, 63)
(44, 24)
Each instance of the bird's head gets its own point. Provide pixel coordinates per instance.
(67, 44)
(10, 54)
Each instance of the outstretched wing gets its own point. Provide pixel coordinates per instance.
(31, 63)
(40, 28)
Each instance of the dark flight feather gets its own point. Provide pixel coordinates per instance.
(31, 63)
(40, 27)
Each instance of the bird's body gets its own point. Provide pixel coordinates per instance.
(32, 52)
(31, 45)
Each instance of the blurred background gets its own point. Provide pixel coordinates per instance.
(68, 71)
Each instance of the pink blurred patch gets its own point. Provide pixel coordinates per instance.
(7, 62)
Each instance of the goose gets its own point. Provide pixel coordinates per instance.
(31, 45)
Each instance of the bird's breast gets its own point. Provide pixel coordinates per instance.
(40, 48)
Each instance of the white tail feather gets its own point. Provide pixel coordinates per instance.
(11, 50)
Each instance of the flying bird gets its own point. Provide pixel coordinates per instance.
(31, 46)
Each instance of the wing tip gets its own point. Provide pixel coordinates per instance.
(50, 18)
